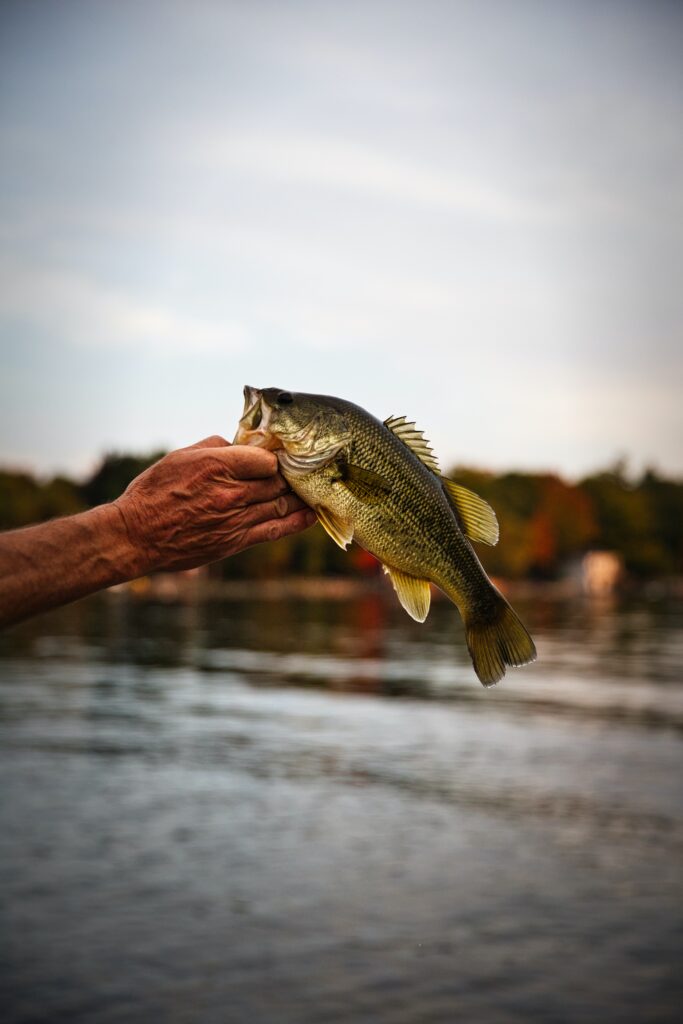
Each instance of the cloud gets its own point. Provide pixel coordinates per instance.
(84, 312)
(337, 163)
(469, 217)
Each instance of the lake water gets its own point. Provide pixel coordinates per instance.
(311, 811)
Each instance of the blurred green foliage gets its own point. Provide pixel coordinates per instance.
(545, 521)
(113, 475)
(24, 500)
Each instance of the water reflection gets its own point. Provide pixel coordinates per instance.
(219, 798)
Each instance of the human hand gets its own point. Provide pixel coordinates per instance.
(205, 502)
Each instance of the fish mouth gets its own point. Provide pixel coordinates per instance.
(253, 428)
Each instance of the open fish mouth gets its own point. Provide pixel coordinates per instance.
(254, 427)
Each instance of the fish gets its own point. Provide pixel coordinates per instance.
(378, 483)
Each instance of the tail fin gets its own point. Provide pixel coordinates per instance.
(496, 638)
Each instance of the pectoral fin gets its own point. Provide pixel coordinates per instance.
(339, 530)
(476, 516)
(413, 593)
(366, 485)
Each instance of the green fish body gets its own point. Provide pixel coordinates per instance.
(378, 483)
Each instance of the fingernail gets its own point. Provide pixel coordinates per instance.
(281, 506)
(310, 517)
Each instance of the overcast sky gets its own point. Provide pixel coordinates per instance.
(468, 213)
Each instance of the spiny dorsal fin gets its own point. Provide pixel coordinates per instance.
(413, 439)
(476, 515)
(340, 531)
(413, 593)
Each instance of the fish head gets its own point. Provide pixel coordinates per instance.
(309, 429)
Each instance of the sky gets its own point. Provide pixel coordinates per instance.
(469, 213)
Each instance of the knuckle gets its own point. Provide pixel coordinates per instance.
(274, 531)
(212, 467)
(241, 519)
(232, 494)
(214, 441)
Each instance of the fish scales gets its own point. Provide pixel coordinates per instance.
(370, 482)
(415, 528)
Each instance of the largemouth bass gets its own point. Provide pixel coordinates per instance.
(378, 483)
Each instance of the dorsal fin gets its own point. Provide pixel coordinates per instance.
(414, 439)
(476, 516)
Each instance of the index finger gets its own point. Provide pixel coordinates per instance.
(246, 462)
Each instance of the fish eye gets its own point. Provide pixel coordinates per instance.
(284, 398)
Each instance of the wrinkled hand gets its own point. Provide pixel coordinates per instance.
(207, 501)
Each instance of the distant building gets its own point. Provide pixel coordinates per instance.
(601, 572)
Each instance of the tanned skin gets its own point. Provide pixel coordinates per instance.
(194, 506)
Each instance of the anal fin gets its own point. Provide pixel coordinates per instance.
(339, 530)
(413, 593)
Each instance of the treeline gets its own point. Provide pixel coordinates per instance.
(546, 522)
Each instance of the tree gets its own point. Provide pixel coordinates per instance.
(114, 474)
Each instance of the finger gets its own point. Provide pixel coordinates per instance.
(273, 529)
(254, 491)
(215, 441)
(246, 462)
(274, 510)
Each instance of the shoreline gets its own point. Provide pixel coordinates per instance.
(195, 585)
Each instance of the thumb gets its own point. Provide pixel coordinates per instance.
(215, 441)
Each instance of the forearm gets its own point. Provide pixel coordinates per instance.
(194, 506)
(62, 560)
